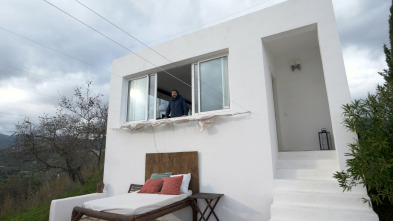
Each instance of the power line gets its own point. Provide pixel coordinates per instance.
(32, 74)
(53, 49)
(63, 53)
(136, 40)
(146, 45)
(59, 51)
(67, 55)
(125, 32)
(117, 43)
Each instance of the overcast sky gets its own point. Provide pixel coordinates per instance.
(44, 53)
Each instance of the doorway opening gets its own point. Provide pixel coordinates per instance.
(299, 93)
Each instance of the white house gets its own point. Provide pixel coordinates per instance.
(266, 158)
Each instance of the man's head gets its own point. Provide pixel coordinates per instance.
(174, 93)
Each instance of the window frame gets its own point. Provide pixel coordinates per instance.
(146, 117)
(199, 86)
(155, 97)
(197, 63)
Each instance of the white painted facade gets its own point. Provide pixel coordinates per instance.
(238, 155)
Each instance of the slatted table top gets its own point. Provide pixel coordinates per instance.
(209, 196)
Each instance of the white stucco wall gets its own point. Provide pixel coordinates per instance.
(236, 155)
(336, 83)
(270, 76)
(61, 209)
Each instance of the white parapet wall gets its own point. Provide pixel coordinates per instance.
(61, 209)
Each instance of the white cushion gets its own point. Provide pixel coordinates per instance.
(185, 182)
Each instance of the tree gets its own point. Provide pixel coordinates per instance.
(68, 140)
(90, 110)
(371, 156)
(387, 74)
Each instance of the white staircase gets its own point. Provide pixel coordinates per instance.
(304, 189)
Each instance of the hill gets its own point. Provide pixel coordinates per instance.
(59, 188)
(5, 141)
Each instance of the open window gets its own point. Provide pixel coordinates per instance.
(203, 85)
(141, 94)
(179, 78)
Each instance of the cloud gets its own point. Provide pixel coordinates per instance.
(363, 30)
(33, 73)
(363, 23)
(21, 98)
(362, 71)
(46, 54)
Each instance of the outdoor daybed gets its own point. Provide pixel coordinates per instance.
(177, 163)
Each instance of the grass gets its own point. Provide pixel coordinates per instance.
(36, 214)
(64, 190)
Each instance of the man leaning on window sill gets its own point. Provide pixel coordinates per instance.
(177, 106)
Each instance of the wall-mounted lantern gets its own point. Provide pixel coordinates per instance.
(325, 140)
(295, 65)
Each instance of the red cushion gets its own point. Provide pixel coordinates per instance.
(171, 185)
(152, 186)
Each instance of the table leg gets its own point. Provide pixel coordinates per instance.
(204, 212)
(212, 208)
(196, 208)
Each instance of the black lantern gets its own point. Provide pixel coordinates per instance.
(325, 140)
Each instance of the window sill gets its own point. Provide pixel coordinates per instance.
(203, 120)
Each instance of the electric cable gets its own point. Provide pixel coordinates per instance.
(117, 43)
(107, 20)
(53, 49)
(125, 32)
(58, 51)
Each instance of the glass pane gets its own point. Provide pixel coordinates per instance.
(161, 107)
(196, 89)
(152, 89)
(214, 85)
(137, 94)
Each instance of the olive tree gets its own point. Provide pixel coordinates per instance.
(68, 140)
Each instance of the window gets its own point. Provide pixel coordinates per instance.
(141, 98)
(203, 85)
(211, 91)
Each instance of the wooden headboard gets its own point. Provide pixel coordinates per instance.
(177, 163)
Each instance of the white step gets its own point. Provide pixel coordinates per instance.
(308, 155)
(322, 186)
(305, 190)
(327, 200)
(295, 213)
(307, 164)
(305, 174)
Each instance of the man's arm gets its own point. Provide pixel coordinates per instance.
(185, 107)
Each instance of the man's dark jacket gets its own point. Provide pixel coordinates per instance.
(177, 107)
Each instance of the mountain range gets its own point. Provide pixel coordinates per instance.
(5, 141)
